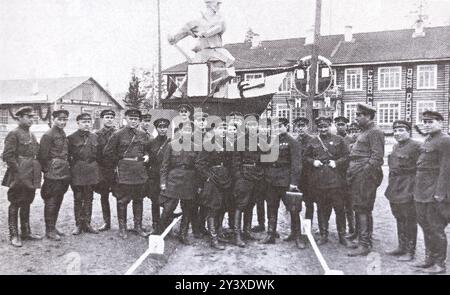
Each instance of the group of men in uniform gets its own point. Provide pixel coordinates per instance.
(340, 172)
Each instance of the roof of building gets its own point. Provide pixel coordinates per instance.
(371, 47)
(48, 90)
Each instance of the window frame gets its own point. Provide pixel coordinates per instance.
(390, 88)
(290, 76)
(346, 108)
(4, 116)
(435, 72)
(399, 110)
(417, 108)
(360, 70)
(287, 109)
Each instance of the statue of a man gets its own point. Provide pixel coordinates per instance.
(209, 30)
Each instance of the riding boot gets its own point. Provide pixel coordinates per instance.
(138, 208)
(364, 243)
(156, 214)
(401, 248)
(87, 212)
(247, 235)
(184, 228)
(106, 210)
(50, 230)
(261, 215)
(122, 219)
(26, 233)
(411, 238)
(340, 226)
(213, 234)
(296, 227)
(202, 220)
(272, 227)
(353, 235)
(350, 217)
(78, 210)
(323, 227)
(13, 219)
(293, 233)
(237, 231)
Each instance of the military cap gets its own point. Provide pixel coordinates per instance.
(146, 116)
(341, 119)
(250, 115)
(56, 113)
(432, 115)
(322, 120)
(186, 107)
(301, 121)
(84, 116)
(365, 108)
(24, 111)
(133, 113)
(107, 112)
(161, 122)
(401, 124)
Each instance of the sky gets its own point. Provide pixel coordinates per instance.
(105, 39)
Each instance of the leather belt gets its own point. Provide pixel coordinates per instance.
(250, 164)
(135, 159)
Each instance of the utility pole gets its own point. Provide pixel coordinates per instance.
(313, 68)
(159, 55)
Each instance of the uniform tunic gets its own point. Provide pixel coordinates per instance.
(216, 171)
(364, 173)
(106, 172)
(125, 151)
(402, 171)
(53, 156)
(155, 150)
(23, 175)
(83, 153)
(325, 177)
(249, 176)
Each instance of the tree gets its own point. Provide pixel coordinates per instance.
(134, 97)
(149, 87)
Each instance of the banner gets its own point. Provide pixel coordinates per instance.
(409, 93)
(369, 95)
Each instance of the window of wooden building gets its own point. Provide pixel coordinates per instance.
(283, 111)
(427, 77)
(4, 116)
(422, 106)
(350, 111)
(353, 79)
(390, 78)
(287, 83)
(388, 112)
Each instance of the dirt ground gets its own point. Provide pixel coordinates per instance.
(106, 253)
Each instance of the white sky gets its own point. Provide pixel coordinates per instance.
(106, 38)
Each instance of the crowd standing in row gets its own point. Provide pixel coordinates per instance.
(340, 172)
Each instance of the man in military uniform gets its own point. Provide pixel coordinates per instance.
(341, 128)
(146, 125)
(400, 191)
(282, 175)
(327, 154)
(432, 192)
(178, 180)
(53, 156)
(155, 150)
(23, 176)
(304, 138)
(84, 169)
(126, 153)
(215, 167)
(200, 212)
(364, 175)
(104, 187)
(249, 180)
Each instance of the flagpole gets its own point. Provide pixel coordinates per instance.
(159, 55)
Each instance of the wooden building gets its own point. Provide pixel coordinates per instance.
(401, 72)
(75, 94)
